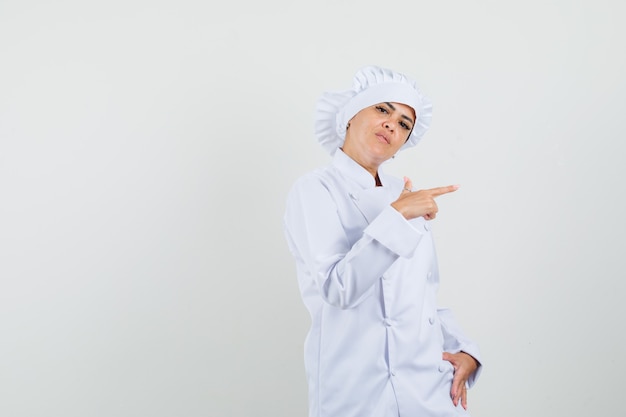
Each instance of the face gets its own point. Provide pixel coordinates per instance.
(377, 132)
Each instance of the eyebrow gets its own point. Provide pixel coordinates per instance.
(402, 115)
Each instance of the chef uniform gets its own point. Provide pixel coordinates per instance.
(369, 280)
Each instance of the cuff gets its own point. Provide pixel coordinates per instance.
(394, 232)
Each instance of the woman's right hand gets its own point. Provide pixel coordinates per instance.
(413, 204)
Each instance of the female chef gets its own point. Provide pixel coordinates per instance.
(378, 345)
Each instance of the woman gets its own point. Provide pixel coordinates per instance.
(378, 345)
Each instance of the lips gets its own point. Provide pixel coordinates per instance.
(382, 138)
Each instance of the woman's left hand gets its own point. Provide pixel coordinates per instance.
(464, 366)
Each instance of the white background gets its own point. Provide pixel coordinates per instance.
(146, 149)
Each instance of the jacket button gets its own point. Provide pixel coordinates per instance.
(431, 320)
(387, 322)
(442, 368)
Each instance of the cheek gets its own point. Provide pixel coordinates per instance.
(407, 135)
(404, 136)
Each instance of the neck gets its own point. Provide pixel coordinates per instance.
(371, 168)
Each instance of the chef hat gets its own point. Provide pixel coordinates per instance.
(371, 85)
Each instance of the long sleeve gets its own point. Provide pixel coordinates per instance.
(454, 340)
(343, 262)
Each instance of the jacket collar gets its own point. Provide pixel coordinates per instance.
(350, 169)
(369, 199)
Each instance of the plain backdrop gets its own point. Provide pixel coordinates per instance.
(147, 147)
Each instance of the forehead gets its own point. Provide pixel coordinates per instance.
(405, 111)
(402, 108)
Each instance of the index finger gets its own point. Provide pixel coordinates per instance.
(436, 192)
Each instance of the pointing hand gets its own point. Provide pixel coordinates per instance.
(413, 204)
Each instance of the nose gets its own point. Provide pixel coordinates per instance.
(389, 125)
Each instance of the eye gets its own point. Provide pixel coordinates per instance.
(405, 126)
(382, 109)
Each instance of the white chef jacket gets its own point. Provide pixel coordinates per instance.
(369, 279)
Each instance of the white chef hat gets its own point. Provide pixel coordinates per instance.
(371, 85)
